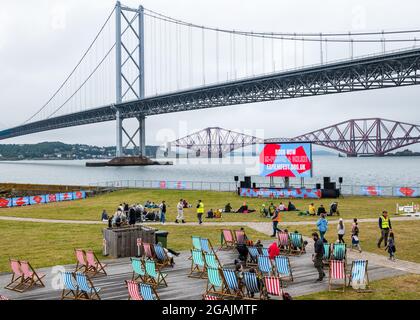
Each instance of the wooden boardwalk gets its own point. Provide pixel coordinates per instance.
(180, 287)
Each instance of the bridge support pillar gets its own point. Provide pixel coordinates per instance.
(142, 135)
(119, 149)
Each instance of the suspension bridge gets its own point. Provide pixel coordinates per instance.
(143, 63)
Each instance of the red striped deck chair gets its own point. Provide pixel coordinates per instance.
(16, 283)
(337, 272)
(227, 239)
(81, 264)
(240, 236)
(273, 287)
(283, 242)
(149, 252)
(133, 290)
(3, 298)
(211, 297)
(94, 265)
(31, 277)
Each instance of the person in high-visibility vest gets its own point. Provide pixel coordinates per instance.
(385, 226)
(200, 211)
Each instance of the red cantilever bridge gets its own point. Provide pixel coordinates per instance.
(370, 136)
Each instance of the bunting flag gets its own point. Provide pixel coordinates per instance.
(37, 199)
(5, 203)
(65, 196)
(301, 193)
(79, 195)
(371, 191)
(19, 202)
(406, 192)
(51, 198)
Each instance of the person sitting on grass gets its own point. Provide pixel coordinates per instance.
(291, 207)
(321, 210)
(104, 217)
(228, 208)
(264, 211)
(311, 210)
(282, 207)
(210, 214)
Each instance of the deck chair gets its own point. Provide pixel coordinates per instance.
(31, 277)
(327, 254)
(252, 255)
(283, 242)
(94, 265)
(337, 272)
(206, 245)
(264, 252)
(273, 286)
(251, 284)
(233, 287)
(70, 290)
(86, 287)
(16, 283)
(211, 297)
(81, 264)
(212, 261)
(139, 271)
(3, 298)
(196, 242)
(148, 292)
(227, 239)
(162, 259)
(359, 275)
(198, 266)
(296, 244)
(215, 283)
(283, 268)
(154, 274)
(264, 265)
(133, 290)
(240, 236)
(339, 251)
(149, 253)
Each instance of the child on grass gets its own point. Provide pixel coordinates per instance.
(391, 246)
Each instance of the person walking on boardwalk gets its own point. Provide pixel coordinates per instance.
(200, 211)
(322, 225)
(180, 209)
(275, 219)
(385, 226)
(318, 255)
(163, 212)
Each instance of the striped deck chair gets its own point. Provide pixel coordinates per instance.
(86, 287)
(133, 290)
(70, 289)
(212, 261)
(283, 268)
(198, 266)
(252, 255)
(215, 283)
(3, 298)
(94, 265)
(148, 292)
(154, 274)
(296, 243)
(211, 297)
(162, 259)
(359, 273)
(196, 242)
(139, 271)
(233, 287)
(337, 272)
(264, 265)
(149, 253)
(327, 254)
(206, 245)
(251, 284)
(273, 286)
(16, 283)
(339, 251)
(227, 240)
(283, 242)
(31, 277)
(81, 264)
(264, 252)
(240, 236)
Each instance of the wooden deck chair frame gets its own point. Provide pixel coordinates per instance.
(67, 290)
(136, 276)
(17, 280)
(227, 244)
(94, 292)
(98, 267)
(281, 243)
(296, 251)
(165, 261)
(231, 292)
(195, 268)
(161, 277)
(33, 278)
(83, 267)
(288, 277)
(210, 287)
(366, 275)
(330, 279)
(260, 291)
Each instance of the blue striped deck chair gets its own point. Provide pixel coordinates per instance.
(251, 284)
(283, 267)
(86, 287)
(162, 259)
(264, 265)
(154, 274)
(327, 253)
(212, 261)
(206, 245)
(233, 286)
(252, 255)
(339, 251)
(215, 282)
(148, 292)
(70, 289)
(264, 252)
(138, 270)
(296, 243)
(359, 273)
(198, 266)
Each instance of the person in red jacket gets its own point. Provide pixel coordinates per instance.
(273, 250)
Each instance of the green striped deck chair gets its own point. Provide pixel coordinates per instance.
(212, 261)
(296, 243)
(138, 270)
(156, 277)
(198, 266)
(215, 283)
(327, 253)
(196, 242)
(339, 251)
(359, 274)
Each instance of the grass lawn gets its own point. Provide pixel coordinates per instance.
(406, 237)
(45, 244)
(91, 209)
(405, 287)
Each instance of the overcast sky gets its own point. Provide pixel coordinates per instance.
(41, 41)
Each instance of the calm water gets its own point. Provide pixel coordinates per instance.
(398, 171)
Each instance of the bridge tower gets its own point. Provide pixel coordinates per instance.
(134, 58)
